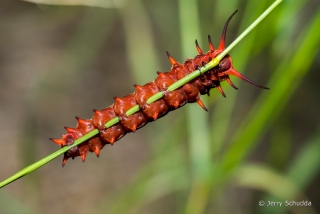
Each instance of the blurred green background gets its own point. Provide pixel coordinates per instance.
(60, 61)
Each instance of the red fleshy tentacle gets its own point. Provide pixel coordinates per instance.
(76, 133)
(64, 160)
(172, 60)
(60, 142)
(83, 150)
(84, 125)
(224, 33)
(199, 101)
(96, 149)
(198, 48)
(211, 47)
(221, 91)
(233, 72)
(231, 83)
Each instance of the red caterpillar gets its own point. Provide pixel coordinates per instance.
(188, 93)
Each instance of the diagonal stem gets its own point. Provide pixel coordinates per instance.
(214, 62)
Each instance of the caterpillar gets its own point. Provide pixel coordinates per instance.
(188, 93)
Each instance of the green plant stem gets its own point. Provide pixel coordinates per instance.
(253, 25)
(214, 62)
(47, 159)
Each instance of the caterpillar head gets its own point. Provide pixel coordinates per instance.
(225, 67)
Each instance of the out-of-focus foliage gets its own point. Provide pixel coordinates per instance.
(57, 62)
(92, 3)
